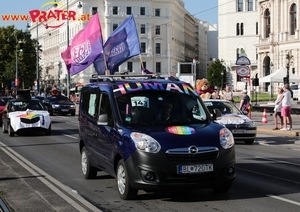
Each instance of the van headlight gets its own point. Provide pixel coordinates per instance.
(226, 138)
(145, 142)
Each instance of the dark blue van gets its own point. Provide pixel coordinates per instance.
(152, 134)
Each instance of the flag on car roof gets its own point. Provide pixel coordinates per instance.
(122, 44)
(86, 46)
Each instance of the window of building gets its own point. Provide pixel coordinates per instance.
(129, 66)
(94, 10)
(157, 30)
(128, 10)
(256, 28)
(143, 47)
(242, 28)
(293, 18)
(240, 5)
(250, 5)
(115, 26)
(158, 67)
(267, 21)
(143, 11)
(238, 29)
(157, 48)
(157, 12)
(115, 10)
(143, 28)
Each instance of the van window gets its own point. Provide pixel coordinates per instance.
(105, 106)
(90, 104)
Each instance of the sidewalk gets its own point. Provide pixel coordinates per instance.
(22, 191)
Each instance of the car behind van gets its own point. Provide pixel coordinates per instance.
(295, 91)
(152, 134)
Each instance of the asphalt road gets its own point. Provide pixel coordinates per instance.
(268, 176)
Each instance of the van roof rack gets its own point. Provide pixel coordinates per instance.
(111, 78)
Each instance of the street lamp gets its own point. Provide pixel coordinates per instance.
(68, 43)
(37, 57)
(288, 59)
(16, 77)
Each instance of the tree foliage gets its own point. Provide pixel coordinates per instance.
(216, 74)
(17, 50)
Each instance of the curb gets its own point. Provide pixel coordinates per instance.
(278, 132)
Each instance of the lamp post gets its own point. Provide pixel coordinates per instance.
(288, 59)
(68, 43)
(16, 78)
(37, 59)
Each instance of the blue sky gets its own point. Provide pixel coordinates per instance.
(205, 10)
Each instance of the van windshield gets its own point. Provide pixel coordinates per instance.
(160, 107)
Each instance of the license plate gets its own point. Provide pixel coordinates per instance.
(190, 169)
(239, 131)
(64, 110)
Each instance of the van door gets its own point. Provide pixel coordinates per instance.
(88, 115)
(106, 134)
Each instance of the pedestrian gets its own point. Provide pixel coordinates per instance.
(277, 110)
(228, 94)
(286, 99)
(245, 104)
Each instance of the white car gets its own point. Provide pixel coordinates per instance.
(295, 90)
(242, 128)
(24, 115)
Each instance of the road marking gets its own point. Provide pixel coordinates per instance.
(284, 200)
(47, 179)
(279, 161)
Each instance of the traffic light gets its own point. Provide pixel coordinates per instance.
(285, 80)
(255, 82)
(21, 47)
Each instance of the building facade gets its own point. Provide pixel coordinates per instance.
(238, 32)
(278, 46)
(168, 35)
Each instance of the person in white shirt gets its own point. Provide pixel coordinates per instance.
(285, 100)
(228, 94)
(277, 110)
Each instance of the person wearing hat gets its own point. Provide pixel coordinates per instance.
(285, 100)
(245, 104)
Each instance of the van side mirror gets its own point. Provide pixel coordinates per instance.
(216, 114)
(102, 119)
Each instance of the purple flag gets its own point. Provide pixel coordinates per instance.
(120, 46)
(86, 46)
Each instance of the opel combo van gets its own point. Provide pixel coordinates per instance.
(152, 134)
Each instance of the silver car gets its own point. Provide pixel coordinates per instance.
(242, 128)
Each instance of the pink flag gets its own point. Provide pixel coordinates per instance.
(86, 46)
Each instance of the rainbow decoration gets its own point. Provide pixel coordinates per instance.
(180, 130)
(28, 115)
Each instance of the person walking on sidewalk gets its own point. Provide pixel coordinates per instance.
(277, 110)
(286, 99)
(245, 104)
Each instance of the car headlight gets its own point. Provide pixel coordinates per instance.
(145, 142)
(226, 138)
(55, 106)
(72, 106)
(252, 124)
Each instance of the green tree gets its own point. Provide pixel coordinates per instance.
(216, 73)
(17, 49)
